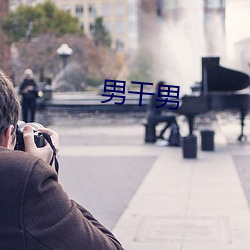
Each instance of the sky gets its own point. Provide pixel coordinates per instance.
(237, 23)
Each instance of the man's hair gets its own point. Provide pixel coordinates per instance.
(161, 82)
(9, 104)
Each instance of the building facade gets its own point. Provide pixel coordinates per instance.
(147, 11)
(15, 3)
(120, 18)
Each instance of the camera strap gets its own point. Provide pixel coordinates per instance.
(48, 139)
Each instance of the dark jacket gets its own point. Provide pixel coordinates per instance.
(32, 93)
(152, 109)
(36, 214)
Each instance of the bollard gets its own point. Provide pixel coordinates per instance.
(150, 133)
(189, 146)
(207, 140)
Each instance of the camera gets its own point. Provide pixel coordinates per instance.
(38, 137)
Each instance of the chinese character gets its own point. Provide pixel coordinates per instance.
(168, 91)
(114, 86)
(141, 90)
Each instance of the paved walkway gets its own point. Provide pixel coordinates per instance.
(181, 204)
(186, 204)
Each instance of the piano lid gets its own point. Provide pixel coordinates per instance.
(218, 78)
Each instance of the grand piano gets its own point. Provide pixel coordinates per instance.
(220, 89)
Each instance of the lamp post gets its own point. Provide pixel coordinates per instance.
(64, 51)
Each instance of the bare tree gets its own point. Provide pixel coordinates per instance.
(94, 61)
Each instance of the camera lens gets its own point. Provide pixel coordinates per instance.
(38, 137)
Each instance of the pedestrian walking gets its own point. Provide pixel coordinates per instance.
(29, 92)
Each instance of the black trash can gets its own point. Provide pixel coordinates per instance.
(207, 140)
(150, 133)
(189, 146)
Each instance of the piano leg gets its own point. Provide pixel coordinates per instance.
(241, 137)
(190, 123)
(243, 114)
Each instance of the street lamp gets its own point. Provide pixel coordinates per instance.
(64, 51)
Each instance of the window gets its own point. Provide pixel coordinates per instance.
(82, 26)
(132, 26)
(106, 9)
(107, 25)
(119, 26)
(170, 4)
(91, 27)
(92, 10)
(119, 44)
(67, 8)
(132, 10)
(119, 9)
(215, 4)
(79, 10)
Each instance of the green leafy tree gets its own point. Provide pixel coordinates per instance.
(42, 18)
(100, 33)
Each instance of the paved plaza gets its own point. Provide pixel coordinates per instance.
(149, 195)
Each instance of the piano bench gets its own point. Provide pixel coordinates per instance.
(150, 132)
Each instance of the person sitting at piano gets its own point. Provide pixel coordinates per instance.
(155, 115)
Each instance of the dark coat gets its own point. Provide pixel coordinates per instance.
(36, 214)
(31, 94)
(151, 107)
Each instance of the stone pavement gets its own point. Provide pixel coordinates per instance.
(189, 204)
(184, 204)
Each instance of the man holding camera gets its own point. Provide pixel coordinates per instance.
(35, 212)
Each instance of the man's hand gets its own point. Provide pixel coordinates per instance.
(45, 153)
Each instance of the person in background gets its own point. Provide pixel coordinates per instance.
(29, 92)
(35, 212)
(155, 115)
